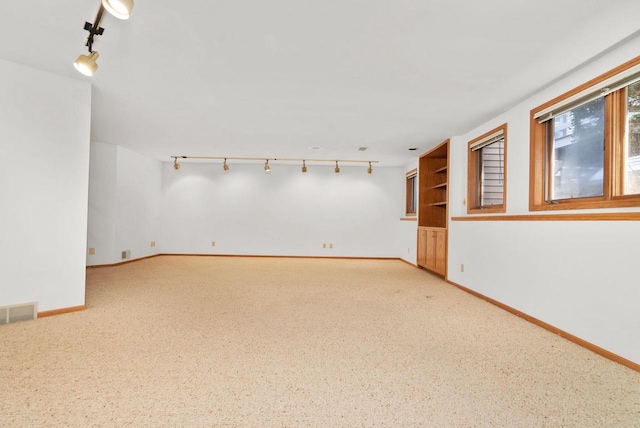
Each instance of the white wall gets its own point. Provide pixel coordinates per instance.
(101, 230)
(138, 204)
(284, 212)
(577, 276)
(124, 204)
(409, 229)
(44, 139)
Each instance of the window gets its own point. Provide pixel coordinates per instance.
(576, 152)
(585, 145)
(412, 193)
(487, 172)
(631, 151)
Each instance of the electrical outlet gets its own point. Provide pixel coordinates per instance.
(213, 243)
(153, 243)
(330, 245)
(462, 267)
(464, 202)
(92, 251)
(324, 245)
(408, 250)
(126, 254)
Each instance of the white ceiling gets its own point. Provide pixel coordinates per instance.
(271, 78)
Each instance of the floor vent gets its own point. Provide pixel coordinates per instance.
(23, 312)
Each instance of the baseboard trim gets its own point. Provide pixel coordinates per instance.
(60, 311)
(124, 262)
(415, 265)
(590, 346)
(266, 256)
(246, 255)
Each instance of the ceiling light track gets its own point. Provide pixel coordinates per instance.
(222, 158)
(267, 167)
(121, 9)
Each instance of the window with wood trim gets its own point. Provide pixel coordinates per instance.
(411, 199)
(487, 175)
(585, 145)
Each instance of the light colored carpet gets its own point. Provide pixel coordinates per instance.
(267, 342)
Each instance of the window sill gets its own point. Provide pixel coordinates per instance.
(632, 216)
(617, 202)
(487, 210)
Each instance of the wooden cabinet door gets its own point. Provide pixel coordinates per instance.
(440, 252)
(430, 262)
(422, 247)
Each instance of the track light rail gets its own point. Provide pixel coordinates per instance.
(222, 158)
(267, 168)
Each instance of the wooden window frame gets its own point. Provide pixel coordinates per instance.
(614, 130)
(474, 181)
(411, 196)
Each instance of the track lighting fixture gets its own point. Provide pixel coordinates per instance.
(121, 9)
(86, 64)
(267, 167)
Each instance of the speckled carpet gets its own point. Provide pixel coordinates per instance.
(269, 342)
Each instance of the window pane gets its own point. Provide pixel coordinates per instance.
(632, 151)
(492, 174)
(414, 193)
(577, 152)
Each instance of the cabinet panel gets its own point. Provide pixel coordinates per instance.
(440, 252)
(431, 250)
(422, 247)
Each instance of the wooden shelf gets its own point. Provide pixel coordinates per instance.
(438, 186)
(437, 204)
(441, 170)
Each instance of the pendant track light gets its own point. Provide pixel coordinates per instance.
(304, 166)
(86, 64)
(225, 166)
(370, 169)
(267, 168)
(176, 165)
(337, 168)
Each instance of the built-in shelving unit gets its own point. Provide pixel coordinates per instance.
(433, 185)
(433, 182)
